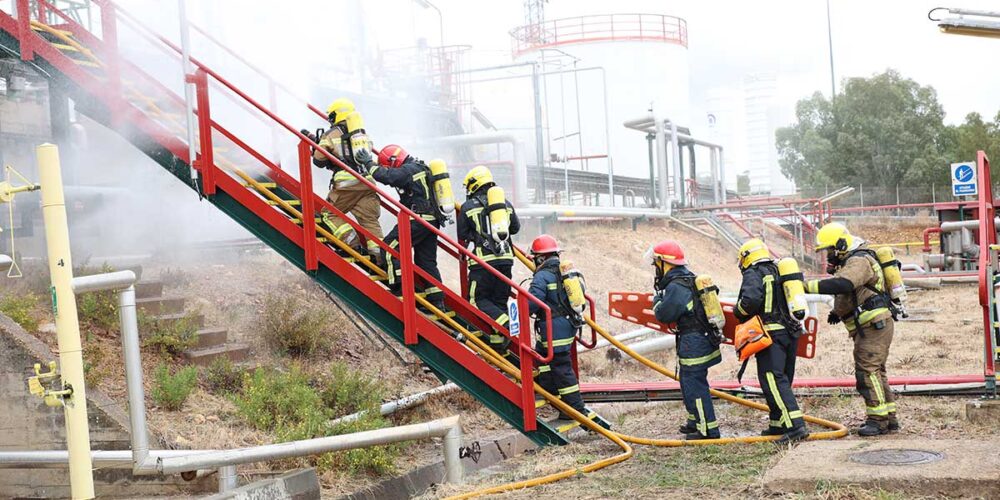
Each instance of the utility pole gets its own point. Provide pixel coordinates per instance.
(829, 37)
(72, 395)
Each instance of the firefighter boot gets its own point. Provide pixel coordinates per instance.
(873, 428)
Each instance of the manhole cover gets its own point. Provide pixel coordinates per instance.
(896, 457)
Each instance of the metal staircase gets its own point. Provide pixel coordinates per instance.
(229, 172)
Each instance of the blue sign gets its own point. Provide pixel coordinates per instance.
(963, 179)
(515, 322)
(964, 173)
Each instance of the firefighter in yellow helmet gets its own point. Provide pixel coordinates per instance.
(346, 140)
(762, 294)
(473, 224)
(863, 304)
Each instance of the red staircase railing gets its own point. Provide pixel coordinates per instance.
(214, 179)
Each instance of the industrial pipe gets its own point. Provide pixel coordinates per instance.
(59, 459)
(520, 162)
(658, 343)
(401, 403)
(5, 263)
(641, 332)
(561, 211)
(448, 428)
(927, 237)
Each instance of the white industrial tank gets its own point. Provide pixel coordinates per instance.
(643, 61)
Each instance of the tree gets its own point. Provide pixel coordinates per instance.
(882, 130)
(974, 135)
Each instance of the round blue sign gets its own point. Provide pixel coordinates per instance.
(964, 173)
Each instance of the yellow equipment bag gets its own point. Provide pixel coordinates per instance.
(751, 338)
(445, 198)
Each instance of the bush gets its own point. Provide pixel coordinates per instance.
(223, 377)
(283, 403)
(169, 338)
(171, 391)
(287, 405)
(348, 391)
(21, 309)
(373, 460)
(290, 327)
(98, 309)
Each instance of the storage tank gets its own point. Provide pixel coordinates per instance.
(644, 66)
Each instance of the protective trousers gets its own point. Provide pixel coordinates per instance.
(696, 353)
(871, 349)
(558, 378)
(489, 293)
(364, 205)
(425, 246)
(775, 372)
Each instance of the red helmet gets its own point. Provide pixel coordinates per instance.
(544, 244)
(670, 252)
(392, 156)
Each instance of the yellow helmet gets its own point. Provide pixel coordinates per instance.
(476, 178)
(752, 251)
(834, 235)
(338, 110)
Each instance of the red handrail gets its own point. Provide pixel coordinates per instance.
(987, 238)
(597, 28)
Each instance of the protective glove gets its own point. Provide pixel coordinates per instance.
(364, 158)
(833, 319)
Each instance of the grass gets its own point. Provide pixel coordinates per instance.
(170, 390)
(21, 308)
(291, 327)
(292, 406)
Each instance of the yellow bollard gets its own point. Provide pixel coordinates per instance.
(67, 325)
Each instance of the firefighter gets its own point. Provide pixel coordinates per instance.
(862, 303)
(557, 377)
(486, 290)
(677, 301)
(411, 178)
(347, 193)
(762, 294)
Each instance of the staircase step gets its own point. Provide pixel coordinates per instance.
(203, 357)
(267, 185)
(161, 305)
(167, 320)
(148, 289)
(211, 337)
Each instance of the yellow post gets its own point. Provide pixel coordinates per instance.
(67, 327)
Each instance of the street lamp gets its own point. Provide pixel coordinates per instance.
(427, 5)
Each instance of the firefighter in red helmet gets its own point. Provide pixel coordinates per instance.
(412, 179)
(677, 301)
(558, 376)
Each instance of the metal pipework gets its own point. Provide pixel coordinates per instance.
(520, 161)
(142, 463)
(59, 459)
(401, 403)
(448, 428)
(5, 263)
(641, 332)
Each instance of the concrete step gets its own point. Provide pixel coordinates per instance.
(211, 337)
(161, 305)
(169, 320)
(148, 289)
(236, 352)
